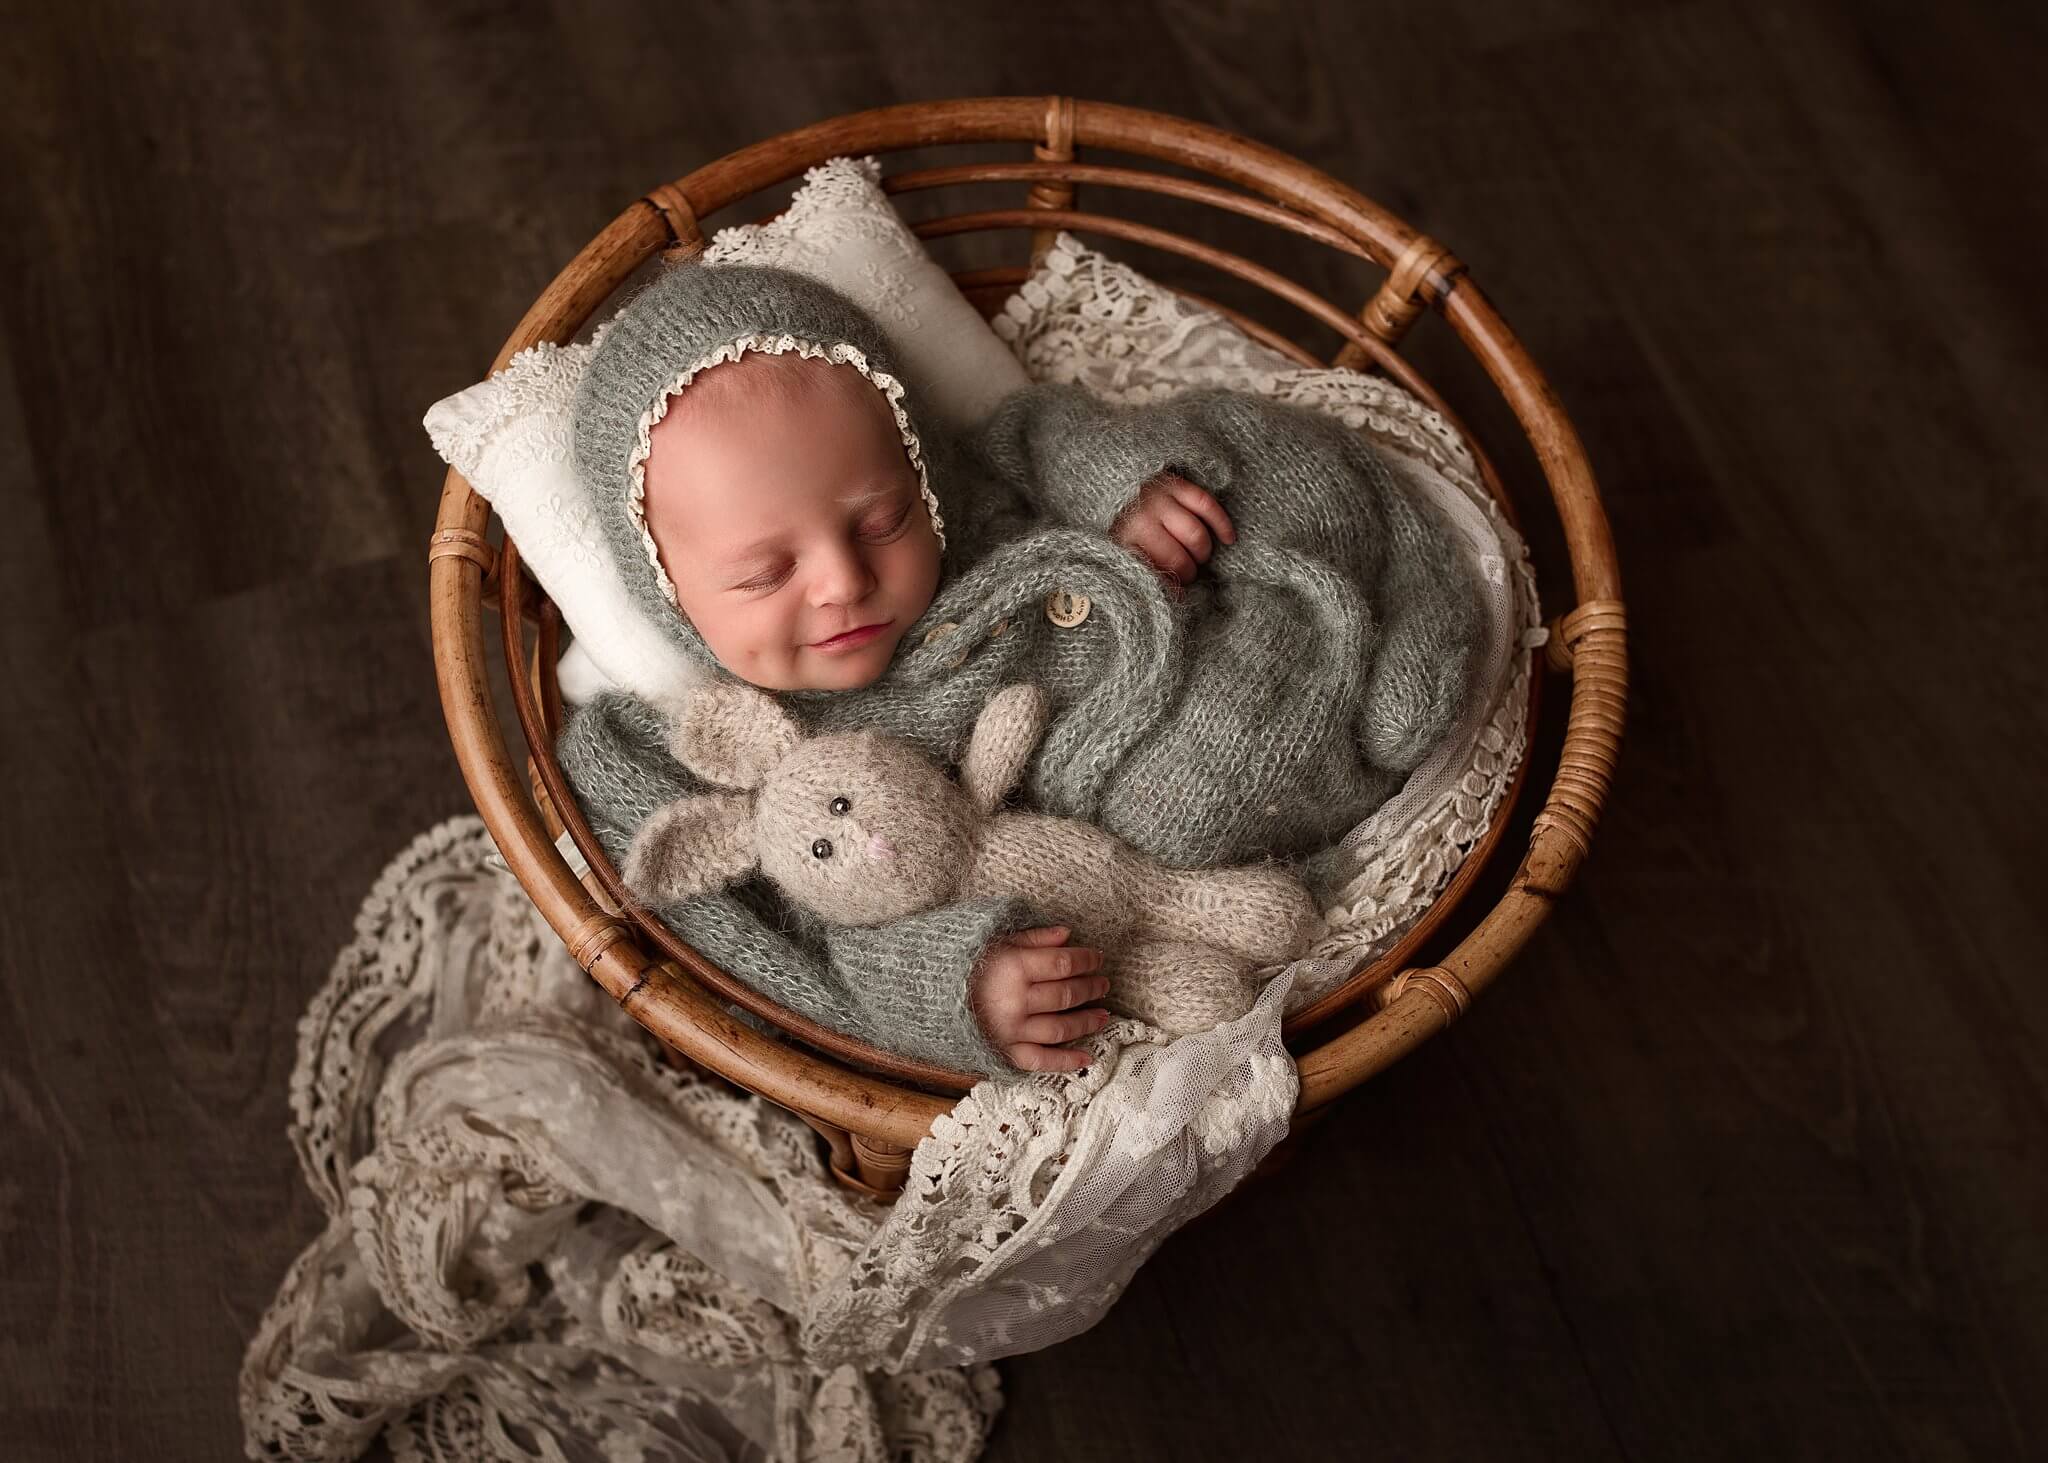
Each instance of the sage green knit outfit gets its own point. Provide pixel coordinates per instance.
(1309, 667)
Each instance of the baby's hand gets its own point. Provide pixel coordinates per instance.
(1170, 523)
(1022, 990)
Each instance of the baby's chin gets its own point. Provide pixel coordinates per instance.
(843, 674)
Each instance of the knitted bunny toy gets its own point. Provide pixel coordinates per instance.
(862, 828)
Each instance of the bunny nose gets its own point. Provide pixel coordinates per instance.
(880, 847)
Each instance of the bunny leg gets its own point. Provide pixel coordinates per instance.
(1262, 914)
(1179, 986)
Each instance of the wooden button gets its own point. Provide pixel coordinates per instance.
(941, 632)
(1066, 609)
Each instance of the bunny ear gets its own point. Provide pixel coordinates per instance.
(692, 846)
(732, 734)
(1005, 735)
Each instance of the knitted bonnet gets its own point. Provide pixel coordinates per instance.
(688, 319)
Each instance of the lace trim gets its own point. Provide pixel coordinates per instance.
(841, 218)
(1034, 1201)
(473, 1113)
(838, 353)
(1083, 316)
(521, 409)
(838, 185)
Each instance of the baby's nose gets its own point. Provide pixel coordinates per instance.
(880, 847)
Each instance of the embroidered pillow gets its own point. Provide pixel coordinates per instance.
(842, 230)
(509, 437)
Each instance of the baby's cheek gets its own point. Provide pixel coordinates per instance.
(919, 575)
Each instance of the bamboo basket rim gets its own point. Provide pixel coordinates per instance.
(676, 998)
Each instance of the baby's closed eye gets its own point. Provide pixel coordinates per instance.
(767, 579)
(883, 526)
(887, 525)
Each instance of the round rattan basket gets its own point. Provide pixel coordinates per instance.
(871, 1106)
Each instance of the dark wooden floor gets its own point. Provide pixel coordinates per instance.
(1745, 1158)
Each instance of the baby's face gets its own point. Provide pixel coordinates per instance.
(787, 515)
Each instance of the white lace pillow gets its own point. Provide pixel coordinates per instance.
(841, 229)
(509, 436)
(1083, 317)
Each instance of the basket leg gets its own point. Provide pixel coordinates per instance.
(837, 1142)
(881, 1166)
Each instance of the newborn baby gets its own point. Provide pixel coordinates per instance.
(792, 525)
(781, 508)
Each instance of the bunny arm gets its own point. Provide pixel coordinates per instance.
(1179, 945)
(1108, 893)
(1005, 735)
(1074, 872)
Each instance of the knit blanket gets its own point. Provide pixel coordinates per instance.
(544, 1240)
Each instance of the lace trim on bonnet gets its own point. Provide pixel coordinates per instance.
(839, 353)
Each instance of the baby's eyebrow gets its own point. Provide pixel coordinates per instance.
(872, 495)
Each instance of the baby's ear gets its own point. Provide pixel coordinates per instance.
(692, 846)
(1005, 735)
(731, 733)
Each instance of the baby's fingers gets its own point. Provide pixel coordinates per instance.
(1044, 935)
(1034, 1058)
(1160, 548)
(1204, 503)
(1190, 531)
(1052, 1030)
(1060, 995)
(1060, 963)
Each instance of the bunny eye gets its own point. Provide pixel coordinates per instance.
(822, 848)
(841, 807)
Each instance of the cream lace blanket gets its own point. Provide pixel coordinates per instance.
(546, 1242)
